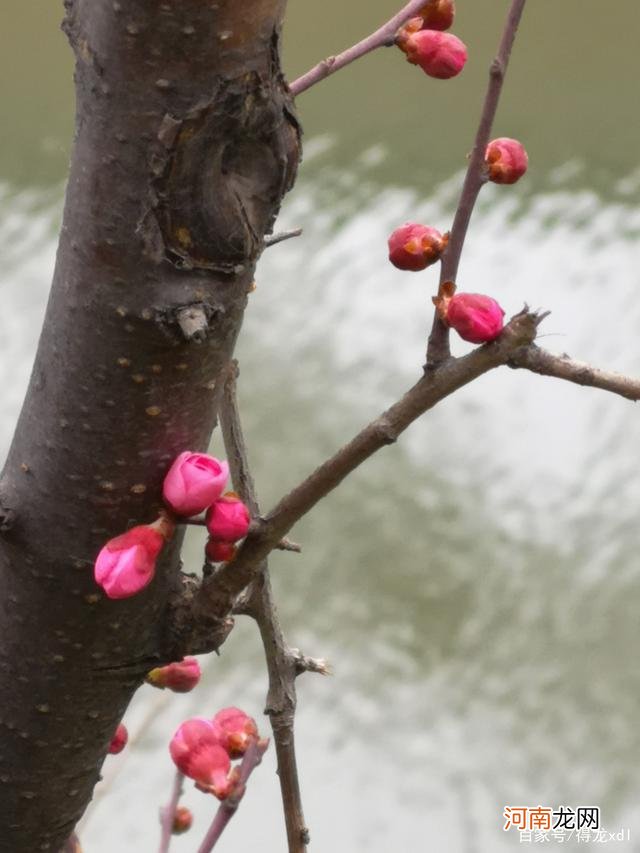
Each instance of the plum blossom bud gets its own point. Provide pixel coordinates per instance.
(219, 551)
(438, 14)
(228, 519)
(236, 730)
(127, 563)
(194, 482)
(119, 740)
(181, 677)
(415, 247)
(197, 752)
(182, 820)
(476, 318)
(506, 160)
(440, 55)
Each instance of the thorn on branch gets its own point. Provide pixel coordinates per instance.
(283, 235)
(321, 666)
(541, 315)
(287, 545)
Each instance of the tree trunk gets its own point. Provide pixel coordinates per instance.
(185, 144)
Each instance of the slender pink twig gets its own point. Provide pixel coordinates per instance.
(228, 807)
(383, 37)
(167, 814)
(475, 178)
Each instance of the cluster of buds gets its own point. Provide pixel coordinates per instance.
(194, 484)
(475, 317)
(203, 750)
(423, 40)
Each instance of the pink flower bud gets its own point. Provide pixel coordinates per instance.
(127, 564)
(228, 519)
(182, 820)
(119, 740)
(506, 160)
(415, 247)
(438, 14)
(181, 677)
(194, 482)
(476, 318)
(236, 730)
(219, 551)
(197, 752)
(440, 55)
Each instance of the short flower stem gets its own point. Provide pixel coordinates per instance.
(167, 814)
(383, 37)
(227, 808)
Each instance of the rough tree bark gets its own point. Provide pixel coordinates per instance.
(185, 145)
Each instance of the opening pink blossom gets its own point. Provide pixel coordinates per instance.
(194, 482)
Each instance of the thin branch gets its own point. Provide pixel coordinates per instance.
(438, 349)
(228, 807)
(219, 592)
(562, 367)
(282, 662)
(168, 813)
(383, 37)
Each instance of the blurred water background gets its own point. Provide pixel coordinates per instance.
(477, 586)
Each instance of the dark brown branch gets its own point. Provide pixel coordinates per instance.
(562, 367)
(282, 662)
(219, 592)
(438, 349)
(382, 37)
